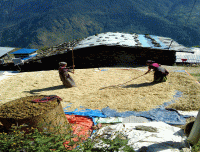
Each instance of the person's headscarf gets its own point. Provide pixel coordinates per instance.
(62, 63)
(150, 61)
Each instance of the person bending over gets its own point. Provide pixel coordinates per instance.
(160, 73)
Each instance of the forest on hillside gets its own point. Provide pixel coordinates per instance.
(40, 23)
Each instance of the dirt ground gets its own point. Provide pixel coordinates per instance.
(95, 88)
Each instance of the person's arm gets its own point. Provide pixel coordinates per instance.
(166, 72)
(149, 69)
(69, 69)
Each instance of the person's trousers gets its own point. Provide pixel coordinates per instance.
(159, 77)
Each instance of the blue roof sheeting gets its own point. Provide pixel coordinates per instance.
(162, 45)
(144, 41)
(24, 51)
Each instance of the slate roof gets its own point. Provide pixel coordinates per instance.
(5, 50)
(24, 51)
(132, 40)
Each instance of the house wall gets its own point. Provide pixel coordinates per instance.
(102, 56)
(20, 55)
(23, 55)
(105, 56)
(122, 56)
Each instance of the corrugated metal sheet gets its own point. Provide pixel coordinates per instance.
(132, 40)
(5, 50)
(24, 51)
(191, 58)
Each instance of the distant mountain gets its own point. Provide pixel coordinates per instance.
(39, 23)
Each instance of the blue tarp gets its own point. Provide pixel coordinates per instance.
(179, 71)
(86, 112)
(175, 97)
(104, 70)
(169, 116)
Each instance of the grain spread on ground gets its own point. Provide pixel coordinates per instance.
(137, 95)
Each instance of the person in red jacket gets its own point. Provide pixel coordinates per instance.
(160, 73)
(67, 80)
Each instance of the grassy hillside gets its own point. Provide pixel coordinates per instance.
(46, 23)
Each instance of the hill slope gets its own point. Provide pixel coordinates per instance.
(38, 23)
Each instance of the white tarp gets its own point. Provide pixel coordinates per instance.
(166, 139)
(7, 74)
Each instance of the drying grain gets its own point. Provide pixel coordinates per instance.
(92, 89)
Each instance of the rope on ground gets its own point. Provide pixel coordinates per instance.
(192, 77)
(122, 83)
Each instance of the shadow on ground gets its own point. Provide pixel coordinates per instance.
(162, 146)
(35, 91)
(139, 85)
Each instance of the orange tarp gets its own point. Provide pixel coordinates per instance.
(81, 126)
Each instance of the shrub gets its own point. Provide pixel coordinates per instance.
(33, 140)
(196, 148)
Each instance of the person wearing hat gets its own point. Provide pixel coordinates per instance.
(67, 80)
(160, 73)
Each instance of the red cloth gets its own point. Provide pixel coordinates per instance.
(47, 98)
(81, 126)
(155, 65)
(64, 69)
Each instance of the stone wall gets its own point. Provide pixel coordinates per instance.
(102, 56)
(121, 56)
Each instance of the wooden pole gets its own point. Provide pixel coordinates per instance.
(73, 59)
(194, 135)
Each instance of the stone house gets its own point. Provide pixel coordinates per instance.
(124, 49)
(24, 53)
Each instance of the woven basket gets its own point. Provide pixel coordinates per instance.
(43, 116)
